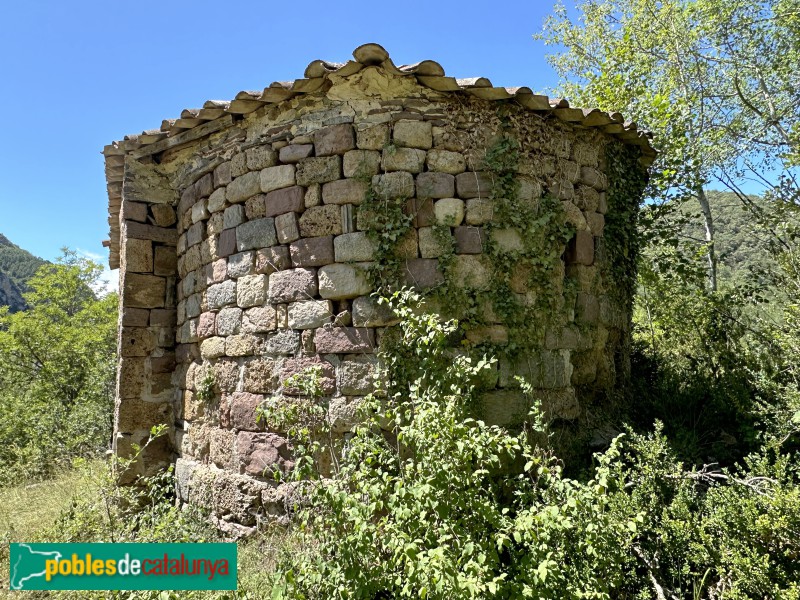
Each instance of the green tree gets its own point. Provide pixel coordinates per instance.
(57, 364)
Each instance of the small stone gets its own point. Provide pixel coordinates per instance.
(229, 321)
(336, 139)
(221, 294)
(313, 195)
(233, 216)
(433, 244)
(373, 137)
(469, 240)
(239, 164)
(312, 252)
(508, 239)
(310, 314)
(318, 170)
(394, 186)
(444, 161)
(295, 152)
(287, 228)
(254, 207)
(207, 324)
(251, 290)
(344, 191)
(292, 284)
(275, 178)
(368, 312)
(449, 211)
(240, 265)
(435, 185)
(354, 247)
(244, 187)
(344, 340)
(200, 211)
(259, 319)
(413, 134)
(269, 260)
(256, 234)
(213, 347)
(411, 160)
(260, 157)
(474, 184)
(340, 281)
(361, 163)
(291, 199)
(321, 220)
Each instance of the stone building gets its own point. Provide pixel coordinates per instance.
(248, 238)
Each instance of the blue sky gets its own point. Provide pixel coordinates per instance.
(76, 75)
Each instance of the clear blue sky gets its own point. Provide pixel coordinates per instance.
(77, 75)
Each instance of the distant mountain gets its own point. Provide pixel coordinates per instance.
(17, 266)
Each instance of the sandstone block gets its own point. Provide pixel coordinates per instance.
(373, 137)
(411, 160)
(229, 321)
(449, 211)
(445, 161)
(243, 187)
(354, 247)
(321, 220)
(259, 319)
(300, 366)
(138, 256)
(475, 184)
(261, 376)
(256, 234)
(313, 195)
(344, 340)
(361, 163)
(260, 157)
(264, 455)
(221, 294)
(285, 200)
(367, 312)
(255, 208)
(213, 347)
(340, 281)
(393, 186)
(163, 215)
(587, 308)
(433, 244)
(131, 377)
(580, 249)
(344, 191)
(295, 152)
(287, 228)
(243, 411)
(506, 408)
(222, 174)
(310, 314)
(226, 373)
(220, 449)
(469, 240)
(336, 139)
(135, 317)
(275, 178)
(240, 264)
(269, 260)
(240, 345)
(143, 291)
(343, 414)
(226, 245)
(596, 223)
(318, 170)
(435, 185)
(479, 211)
(312, 252)
(251, 290)
(136, 341)
(413, 134)
(291, 285)
(491, 334)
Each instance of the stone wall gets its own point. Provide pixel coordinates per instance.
(247, 256)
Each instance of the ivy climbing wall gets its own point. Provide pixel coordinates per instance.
(277, 223)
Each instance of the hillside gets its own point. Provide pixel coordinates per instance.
(17, 266)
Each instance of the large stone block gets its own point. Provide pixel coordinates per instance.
(471, 271)
(354, 247)
(413, 134)
(372, 137)
(344, 340)
(243, 411)
(260, 157)
(344, 191)
(411, 160)
(287, 228)
(233, 216)
(361, 163)
(143, 291)
(547, 369)
(435, 185)
(432, 243)
(445, 161)
(321, 220)
(367, 312)
(302, 366)
(251, 290)
(479, 211)
(312, 252)
(475, 184)
(295, 152)
(310, 314)
(336, 139)
(319, 170)
(137, 256)
(136, 341)
(469, 240)
(355, 375)
(580, 249)
(423, 273)
(292, 285)
(207, 325)
(259, 319)
(290, 199)
(269, 260)
(243, 187)
(508, 239)
(240, 264)
(340, 281)
(229, 321)
(256, 234)
(226, 245)
(394, 186)
(240, 345)
(221, 294)
(449, 211)
(264, 455)
(275, 178)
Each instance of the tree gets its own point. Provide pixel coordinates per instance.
(57, 368)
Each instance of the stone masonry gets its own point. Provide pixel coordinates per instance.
(243, 259)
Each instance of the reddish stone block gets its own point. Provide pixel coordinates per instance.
(295, 366)
(243, 411)
(263, 454)
(206, 325)
(312, 252)
(290, 199)
(336, 139)
(227, 243)
(469, 240)
(344, 340)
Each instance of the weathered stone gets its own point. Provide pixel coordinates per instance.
(226, 245)
(411, 160)
(240, 264)
(321, 220)
(284, 341)
(423, 273)
(135, 317)
(469, 240)
(444, 161)
(243, 187)
(574, 216)
(256, 234)
(344, 191)
(421, 210)
(355, 375)
(275, 178)
(596, 223)
(547, 369)
(291, 285)
(216, 202)
(368, 312)
(254, 208)
(336, 139)
(373, 137)
(435, 185)
(213, 347)
(343, 414)
(229, 321)
(479, 211)
(137, 414)
(200, 211)
(318, 170)
(313, 195)
(290, 199)
(475, 184)
(131, 377)
(344, 340)
(580, 249)
(226, 373)
(594, 178)
(310, 314)
(312, 252)
(163, 215)
(340, 281)
(264, 454)
(287, 228)
(587, 198)
(269, 260)
(221, 294)
(587, 308)
(222, 174)
(221, 448)
(143, 291)
(261, 376)
(240, 345)
(393, 186)
(195, 234)
(259, 319)
(471, 271)
(137, 256)
(233, 216)
(136, 341)
(506, 408)
(492, 334)
(260, 157)
(508, 239)
(361, 163)
(295, 152)
(207, 325)
(193, 303)
(354, 247)
(433, 243)
(251, 290)
(301, 366)
(413, 134)
(449, 211)
(243, 411)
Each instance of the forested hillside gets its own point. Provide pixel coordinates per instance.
(17, 266)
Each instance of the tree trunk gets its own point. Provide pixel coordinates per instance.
(708, 221)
